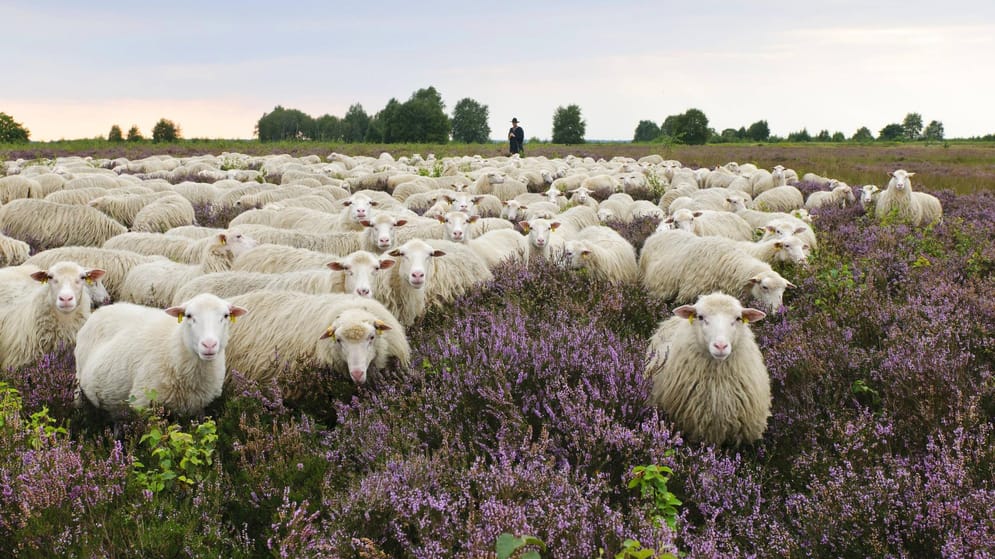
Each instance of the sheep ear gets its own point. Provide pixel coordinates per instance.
(396, 253)
(754, 280)
(329, 333)
(381, 326)
(790, 285)
(752, 315)
(346, 203)
(93, 275)
(387, 263)
(41, 276)
(177, 313)
(473, 218)
(236, 310)
(438, 253)
(222, 238)
(504, 202)
(524, 225)
(685, 311)
(778, 245)
(441, 218)
(910, 174)
(799, 230)
(374, 203)
(585, 254)
(553, 226)
(337, 266)
(400, 222)
(366, 223)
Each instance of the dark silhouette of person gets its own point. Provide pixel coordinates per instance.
(516, 137)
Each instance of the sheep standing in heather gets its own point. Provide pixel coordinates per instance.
(130, 355)
(899, 202)
(338, 331)
(708, 373)
(779, 199)
(605, 253)
(38, 320)
(840, 196)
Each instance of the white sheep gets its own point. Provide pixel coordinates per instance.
(789, 226)
(179, 248)
(540, 232)
(600, 186)
(899, 202)
(779, 199)
(155, 283)
(15, 187)
(123, 207)
(47, 315)
(163, 214)
(708, 373)
(49, 224)
(840, 196)
(130, 355)
(499, 245)
(679, 266)
(816, 179)
(869, 194)
(710, 223)
(495, 183)
(289, 332)
(403, 289)
(13, 251)
(581, 196)
(115, 263)
(457, 226)
(460, 271)
(603, 252)
(79, 196)
(351, 274)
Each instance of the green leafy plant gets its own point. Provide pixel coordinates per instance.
(652, 484)
(10, 405)
(632, 549)
(42, 426)
(508, 546)
(178, 456)
(836, 282)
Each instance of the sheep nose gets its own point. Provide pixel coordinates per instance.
(209, 345)
(721, 346)
(363, 291)
(418, 275)
(457, 234)
(66, 298)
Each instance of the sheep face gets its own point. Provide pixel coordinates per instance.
(354, 334)
(791, 249)
(65, 282)
(605, 214)
(381, 230)
(576, 254)
(539, 231)
(360, 207)
(359, 268)
(683, 219)
(458, 226)
(867, 193)
(900, 180)
(768, 288)
(513, 210)
(98, 292)
(736, 202)
(464, 203)
(846, 194)
(237, 243)
(580, 195)
(204, 322)
(718, 321)
(553, 195)
(413, 257)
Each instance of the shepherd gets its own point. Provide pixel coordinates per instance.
(516, 137)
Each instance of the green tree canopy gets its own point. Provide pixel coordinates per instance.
(284, 124)
(691, 127)
(421, 119)
(11, 131)
(758, 131)
(933, 131)
(863, 134)
(912, 126)
(646, 131)
(355, 124)
(115, 135)
(165, 131)
(328, 128)
(470, 122)
(134, 134)
(800, 136)
(568, 126)
(892, 132)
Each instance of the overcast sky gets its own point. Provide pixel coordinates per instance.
(73, 69)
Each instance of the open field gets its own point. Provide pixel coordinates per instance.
(524, 411)
(961, 167)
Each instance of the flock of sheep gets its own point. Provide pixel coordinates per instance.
(329, 261)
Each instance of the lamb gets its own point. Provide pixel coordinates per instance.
(899, 202)
(840, 195)
(163, 214)
(115, 263)
(779, 199)
(155, 283)
(351, 274)
(679, 266)
(49, 224)
(708, 373)
(48, 315)
(605, 253)
(402, 290)
(130, 355)
(496, 246)
(13, 251)
(293, 332)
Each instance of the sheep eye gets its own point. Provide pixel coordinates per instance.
(227, 316)
(764, 287)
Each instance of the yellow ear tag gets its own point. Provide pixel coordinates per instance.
(89, 281)
(330, 333)
(224, 242)
(179, 319)
(231, 318)
(746, 320)
(585, 255)
(691, 319)
(44, 281)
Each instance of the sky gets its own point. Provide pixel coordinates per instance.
(74, 69)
